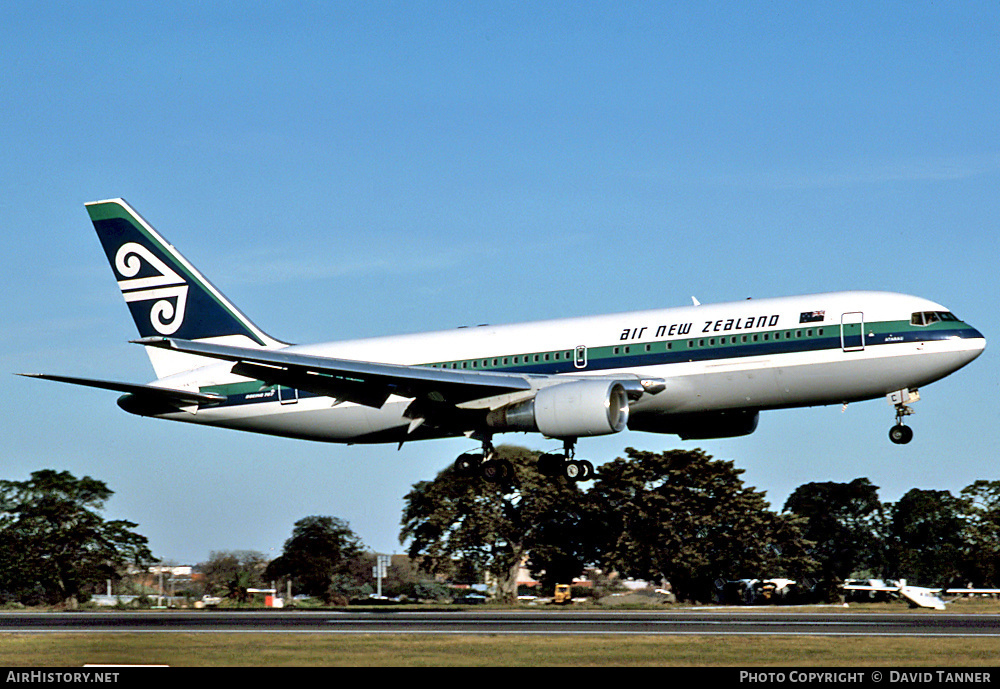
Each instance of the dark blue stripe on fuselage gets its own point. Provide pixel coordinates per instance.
(681, 353)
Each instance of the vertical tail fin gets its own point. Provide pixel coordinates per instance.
(165, 294)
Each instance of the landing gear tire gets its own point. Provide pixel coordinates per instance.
(468, 464)
(900, 434)
(578, 470)
(497, 470)
(550, 464)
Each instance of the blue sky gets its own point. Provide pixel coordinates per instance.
(346, 169)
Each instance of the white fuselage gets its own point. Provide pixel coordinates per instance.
(748, 355)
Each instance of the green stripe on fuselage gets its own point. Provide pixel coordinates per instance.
(808, 337)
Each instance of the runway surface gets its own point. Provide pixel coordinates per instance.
(686, 622)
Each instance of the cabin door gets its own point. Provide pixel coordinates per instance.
(852, 331)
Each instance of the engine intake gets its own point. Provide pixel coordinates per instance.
(568, 410)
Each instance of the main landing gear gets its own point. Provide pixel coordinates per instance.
(565, 464)
(486, 464)
(493, 469)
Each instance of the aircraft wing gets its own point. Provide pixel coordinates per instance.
(180, 398)
(361, 382)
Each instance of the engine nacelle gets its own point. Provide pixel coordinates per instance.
(568, 410)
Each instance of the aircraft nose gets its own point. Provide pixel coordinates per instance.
(978, 339)
(975, 343)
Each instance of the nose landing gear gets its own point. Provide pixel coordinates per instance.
(901, 433)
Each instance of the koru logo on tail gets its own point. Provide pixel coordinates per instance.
(167, 290)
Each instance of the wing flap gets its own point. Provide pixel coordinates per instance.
(340, 388)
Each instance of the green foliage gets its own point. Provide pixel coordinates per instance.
(431, 590)
(687, 518)
(319, 551)
(463, 527)
(231, 573)
(845, 526)
(53, 542)
(981, 505)
(926, 537)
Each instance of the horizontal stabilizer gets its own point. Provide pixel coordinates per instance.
(179, 397)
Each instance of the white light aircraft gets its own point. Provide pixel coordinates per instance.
(916, 596)
(702, 371)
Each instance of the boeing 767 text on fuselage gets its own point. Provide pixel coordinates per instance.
(703, 371)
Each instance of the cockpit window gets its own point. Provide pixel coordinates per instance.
(928, 317)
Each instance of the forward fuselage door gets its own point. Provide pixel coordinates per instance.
(852, 331)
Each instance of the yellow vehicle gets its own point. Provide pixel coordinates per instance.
(562, 595)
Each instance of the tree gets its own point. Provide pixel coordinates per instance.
(687, 518)
(231, 573)
(461, 526)
(844, 522)
(981, 504)
(926, 537)
(318, 552)
(53, 541)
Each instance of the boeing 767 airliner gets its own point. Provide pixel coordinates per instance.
(702, 371)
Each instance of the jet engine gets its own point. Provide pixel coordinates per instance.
(568, 410)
